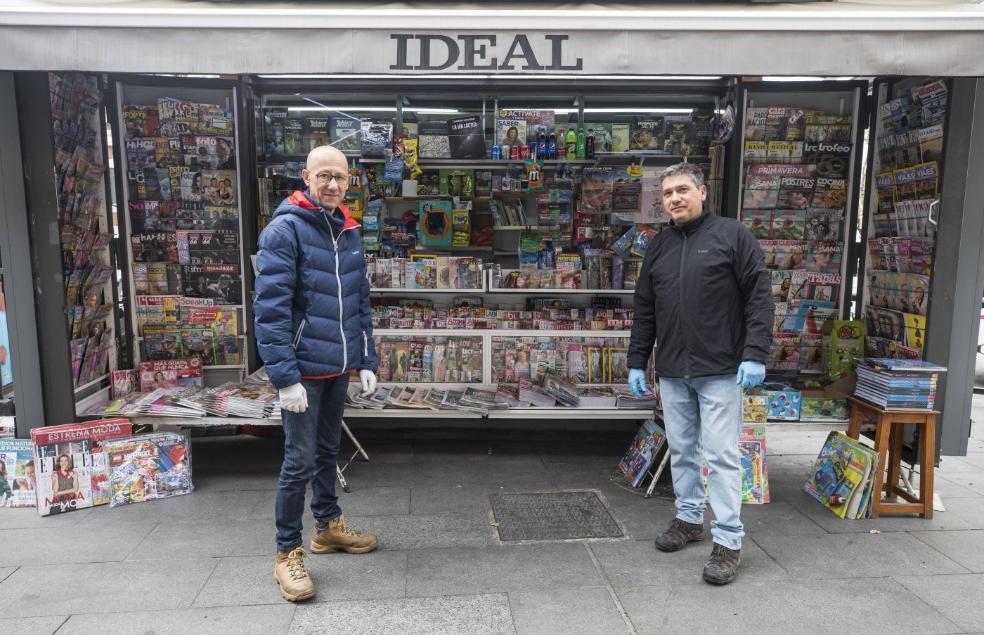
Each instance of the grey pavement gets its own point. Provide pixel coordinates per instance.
(203, 563)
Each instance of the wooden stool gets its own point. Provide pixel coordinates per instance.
(888, 444)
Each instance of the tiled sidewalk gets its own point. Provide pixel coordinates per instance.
(203, 563)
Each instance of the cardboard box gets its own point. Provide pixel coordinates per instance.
(784, 402)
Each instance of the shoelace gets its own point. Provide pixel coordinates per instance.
(295, 564)
(346, 530)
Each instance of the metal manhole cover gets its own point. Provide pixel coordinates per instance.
(553, 516)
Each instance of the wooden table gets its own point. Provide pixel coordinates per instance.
(889, 427)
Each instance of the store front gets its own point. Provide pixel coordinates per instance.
(531, 263)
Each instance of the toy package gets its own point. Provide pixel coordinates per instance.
(149, 466)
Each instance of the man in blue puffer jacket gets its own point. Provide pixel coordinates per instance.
(313, 327)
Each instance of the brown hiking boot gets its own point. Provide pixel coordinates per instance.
(678, 535)
(335, 536)
(722, 567)
(290, 574)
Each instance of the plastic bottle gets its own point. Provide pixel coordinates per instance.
(552, 146)
(514, 153)
(561, 144)
(496, 152)
(541, 145)
(589, 145)
(571, 145)
(582, 141)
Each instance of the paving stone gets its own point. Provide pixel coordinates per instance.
(473, 614)
(361, 501)
(438, 499)
(971, 510)
(5, 572)
(500, 569)
(337, 576)
(566, 612)
(241, 619)
(635, 562)
(777, 518)
(32, 625)
(871, 606)
(941, 521)
(26, 518)
(952, 595)
(206, 540)
(231, 480)
(963, 547)
(199, 506)
(959, 484)
(70, 543)
(98, 587)
(857, 555)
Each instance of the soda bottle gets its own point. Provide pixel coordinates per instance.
(514, 153)
(589, 145)
(582, 142)
(552, 146)
(541, 145)
(571, 145)
(561, 144)
(496, 152)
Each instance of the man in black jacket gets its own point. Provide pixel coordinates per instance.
(703, 299)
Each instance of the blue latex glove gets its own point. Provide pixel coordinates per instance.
(637, 382)
(750, 374)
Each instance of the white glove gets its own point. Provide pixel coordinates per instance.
(368, 379)
(294, 398)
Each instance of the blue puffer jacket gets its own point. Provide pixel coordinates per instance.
(311, 310)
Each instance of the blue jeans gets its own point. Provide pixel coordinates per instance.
(703, 416)
(310, 455)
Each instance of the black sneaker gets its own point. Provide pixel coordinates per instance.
(678, 535)
(722, 567)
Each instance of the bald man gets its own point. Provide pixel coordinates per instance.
(313, 328)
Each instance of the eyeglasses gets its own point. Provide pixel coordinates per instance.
(325, 178)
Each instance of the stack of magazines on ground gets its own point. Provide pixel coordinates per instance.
(898, 384)
(843, 476)
(79, 465)
(555, 392)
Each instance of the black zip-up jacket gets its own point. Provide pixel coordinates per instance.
(703, 298)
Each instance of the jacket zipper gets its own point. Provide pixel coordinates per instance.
(365, 345)
(297, 336)
(683, 253)
(338, 281)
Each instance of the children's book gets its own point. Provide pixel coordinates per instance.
(842, 474)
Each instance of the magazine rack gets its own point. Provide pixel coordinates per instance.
(889, 430)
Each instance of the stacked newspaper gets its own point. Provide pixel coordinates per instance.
(165, 402)
(254, 401)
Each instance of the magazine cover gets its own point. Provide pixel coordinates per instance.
(72, 471)
(152, 216)
(789, 224)
(466, 138)
(17, 474)
(510, 131)
(754, 465)
(647, 133)
(219, 187)
(434, 226)
(433, 141)
(149, 467)
(644, 448)
(221, 282)
(154, 247)
(345, 134)
(122, 383)
(207, 247)
(170, 373)
(842, 474)
(596, 190)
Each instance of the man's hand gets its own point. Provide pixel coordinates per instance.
(294, 398)
(637, 382)
(368, 379)
(750, 374)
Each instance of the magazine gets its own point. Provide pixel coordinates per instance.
(467, 140)
(754, 465)
(345, 134)
(646, 445)
(207, 247)
(72, 470)
(148, 467)
(172, 373)
(17, 474)
(842, 475)
(221, 282)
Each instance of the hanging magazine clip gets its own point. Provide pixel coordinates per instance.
(933, 209)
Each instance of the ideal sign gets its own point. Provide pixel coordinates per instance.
(474, 52)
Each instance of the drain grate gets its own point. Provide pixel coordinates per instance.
(553, 516)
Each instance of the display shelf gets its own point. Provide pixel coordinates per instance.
(571, 413)
(498, 333)
(378, 291)
(563, 291)
(424, 197)
(94, 382)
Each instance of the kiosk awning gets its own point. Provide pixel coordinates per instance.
(170, 36)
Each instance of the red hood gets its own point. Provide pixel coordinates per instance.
(302, 200)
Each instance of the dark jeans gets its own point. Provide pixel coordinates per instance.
(310, 454)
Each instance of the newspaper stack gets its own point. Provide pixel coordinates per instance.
(165, 402)
(254, 401)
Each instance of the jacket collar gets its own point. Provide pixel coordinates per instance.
(304, 201)
(693, 225)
